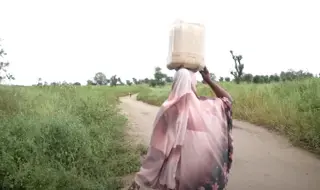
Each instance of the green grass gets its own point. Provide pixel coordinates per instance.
(63, 138)
(292, 108)
(74, 137)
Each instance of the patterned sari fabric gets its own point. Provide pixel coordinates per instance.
(191, 145)
(219, 178)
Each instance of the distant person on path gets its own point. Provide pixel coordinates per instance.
(129, 94)
(191, 145)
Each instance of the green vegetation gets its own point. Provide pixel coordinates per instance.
(66, 136)
(292, 108)
(63, 137)
(4, 64)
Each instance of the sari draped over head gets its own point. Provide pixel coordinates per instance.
(189, 138)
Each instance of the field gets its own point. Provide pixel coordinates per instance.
(292, 108)
(63, 138)
(67, 137)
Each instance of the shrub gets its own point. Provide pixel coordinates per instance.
(63, 137)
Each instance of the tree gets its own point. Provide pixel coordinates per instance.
(247, 77)
(129, 83)
(153, 83)
(238, 66)
(120, 81)
(77, 84)
(159, 76)
(113, 80)
(64, 83)
(227, 79)
(294, 75)
(146, 81)
(274, 78)
(135, 81)
(39, 83)
(266, 79)
(90, 82)
(221, 79)
(4, 67)
(257, 79)
(169, 79)
(100, 78)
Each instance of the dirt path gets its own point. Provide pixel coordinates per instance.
(263, 160)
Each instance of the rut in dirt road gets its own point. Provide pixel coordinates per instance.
(262, 160)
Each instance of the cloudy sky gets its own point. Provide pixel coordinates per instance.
(71, 40)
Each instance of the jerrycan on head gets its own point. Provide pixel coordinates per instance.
(186, 46)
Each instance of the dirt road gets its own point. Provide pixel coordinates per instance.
(262, 160)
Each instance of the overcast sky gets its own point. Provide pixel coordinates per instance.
(71, 40)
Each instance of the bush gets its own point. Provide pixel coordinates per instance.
(292, 108)
(63, 138)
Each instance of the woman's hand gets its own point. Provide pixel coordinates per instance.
(205, 75)
(219, 91)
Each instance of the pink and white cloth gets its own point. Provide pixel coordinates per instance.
(189, 138)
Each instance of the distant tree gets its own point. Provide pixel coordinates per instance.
(227, 79)
(39, 83)
(221, 79)
(77, 84)
(238, 66)
(100, 78)
(257, 79)
(4, 66)
(135, 81)
(142, 81)
(274, 78)
(153, 83)
(90, 82)
(159, 77)
(129, 83)
(266, 79)
(146, 81)
(294, 75)
(113, 80)
(120, 81)
(247, 77)
(169, 79)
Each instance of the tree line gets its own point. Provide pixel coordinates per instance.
(160, 78)
(239, 76)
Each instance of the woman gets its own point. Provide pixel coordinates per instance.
(191, 146)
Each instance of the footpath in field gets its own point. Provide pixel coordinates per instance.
(262, 160)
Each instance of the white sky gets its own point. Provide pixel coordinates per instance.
(73, 39)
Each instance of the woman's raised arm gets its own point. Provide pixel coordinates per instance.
(216, 88)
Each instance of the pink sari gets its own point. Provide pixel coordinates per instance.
(188, 141)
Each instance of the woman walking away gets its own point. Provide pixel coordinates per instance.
(191, 145)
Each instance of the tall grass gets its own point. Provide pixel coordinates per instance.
(63, 138)
(292, 108)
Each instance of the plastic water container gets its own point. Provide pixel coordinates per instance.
(186, 46)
